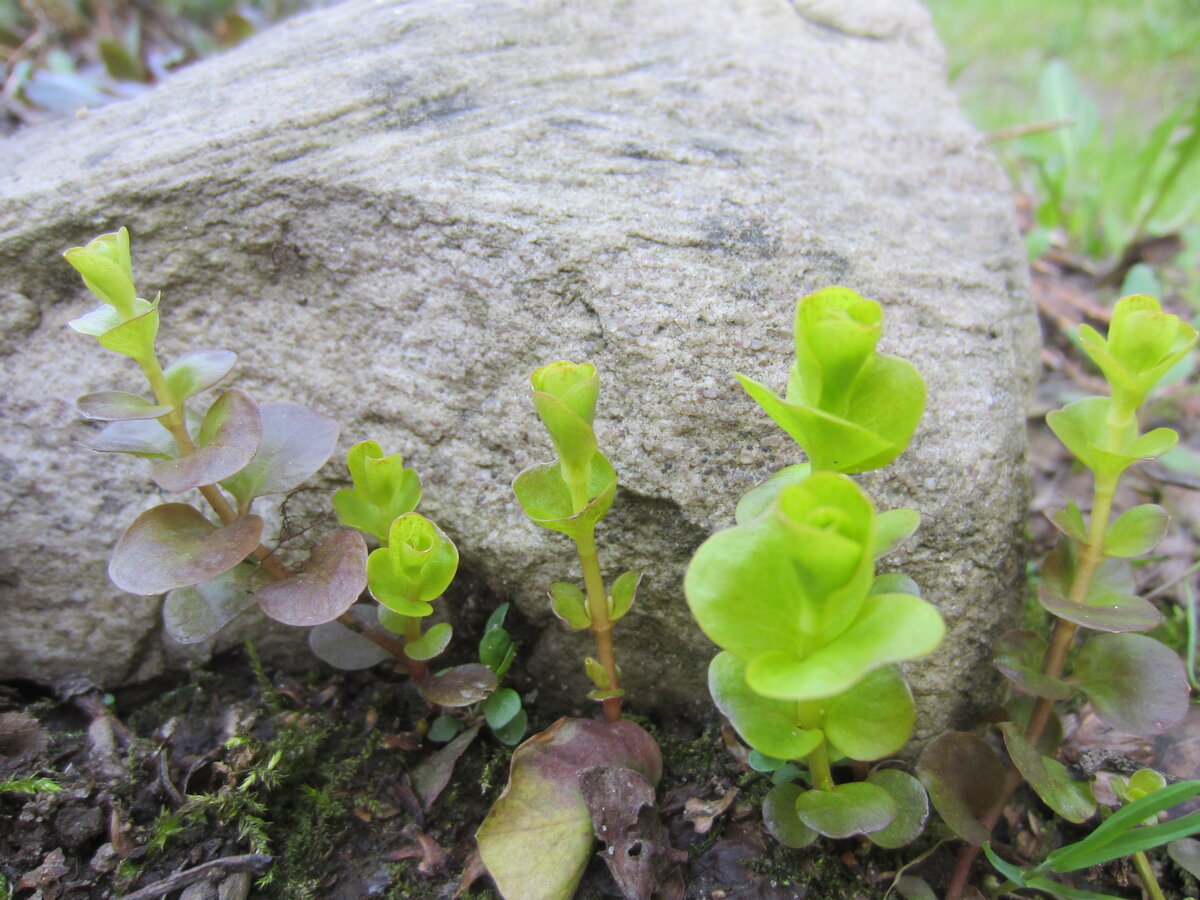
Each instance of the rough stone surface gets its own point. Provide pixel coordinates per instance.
(395, 210)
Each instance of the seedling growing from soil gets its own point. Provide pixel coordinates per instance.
(580, 779)
(235, 453)
(811, 635)
(1133, 682)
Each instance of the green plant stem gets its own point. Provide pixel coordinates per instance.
(1149, 882)
(808, 715)
(175, 423)
(1053, 665)
(597, 600)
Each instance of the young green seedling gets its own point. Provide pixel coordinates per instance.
(580, 779)
(235, 453)
(1133, 682)
(810, 634)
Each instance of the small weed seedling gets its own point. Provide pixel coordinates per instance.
(810, 635)
(233, 454)
(580, 779)
(1133, 682)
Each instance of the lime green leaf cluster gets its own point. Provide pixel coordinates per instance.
(789, 594)
(383, 490)
(415, 566)
(125, 323)
(851, 408)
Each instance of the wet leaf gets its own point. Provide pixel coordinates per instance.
(118, 406)
(431, 775)
(769, 726)
(1069, 798)
(964, 778)
(459, 686)
(329, 583)
(296, 442)
(1136, 531)
(431, 643)
(229, 436)
(198, 372)
(1019, 657)
(538, 837)
(855, 808)
(196, 613)
(174, 546)
(912, 804)
(343, 648)
(780, 816)
(1134, 682)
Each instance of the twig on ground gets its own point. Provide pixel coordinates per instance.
(257, 863)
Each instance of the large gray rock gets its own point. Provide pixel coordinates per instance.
(395, 210)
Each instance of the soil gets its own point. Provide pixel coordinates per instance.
(235, 782)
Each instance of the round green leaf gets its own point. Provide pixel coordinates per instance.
(330, 582)
(912, 804)
(174, 546)
(496, 650)
(501, 707)
(383, 490)
(856, 808)
(415, 567)
(134, 337)
(1069, 521)
(431, 643)
(769, 726)
(511, 732)
(1136, 531)
(780, 816)
(1134, 683)
(893, 527)
(873, 719)
(444, 728)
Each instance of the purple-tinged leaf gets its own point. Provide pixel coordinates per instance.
(344, 648)
(328, 585)
(431, 775)
(139, 437)
(964, 778)
(855, 808)
(118, 406)
(1048, 777)
(1110, 612)
(196, 613)
(1136, 531)
(459, 686)
(1019, 657)
(198, 372)
(912, 803)
(174, 546)
(1134, 683)
(228, 438)
(538, 837)
(296, 442)
(1185, 853)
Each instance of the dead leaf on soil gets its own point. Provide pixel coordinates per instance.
(21, 735)
(702, 813)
